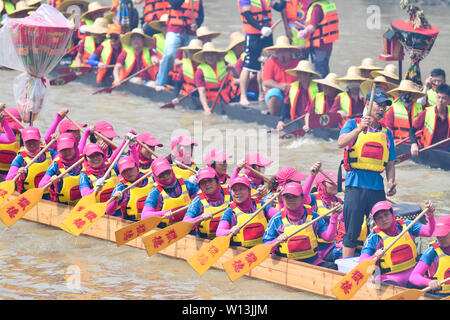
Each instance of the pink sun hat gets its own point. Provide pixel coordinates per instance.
(442, 227)
(216, 155)
(206, 173)
(92, 148)
(242, 180)
(159, 165)
(31, 133)
(256, 158)
(183, 141)
(105, 129)
(12, 124)
(289, 173)
(149, 139)
(293, 188)
(65, 141)
(67, 125)
(381, 205)
(126, 162)
(321, 177)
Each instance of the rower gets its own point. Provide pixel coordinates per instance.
(9, 142)
(217, 160)
(304, 245)
(159, 37)
(212, 197)
(129, 204)
(185, 68)
(146, 157)
(434, 264)
(66, 190)
(211, 75)
(274, 76)
(239, 211)
(95, 10)
(436, 78)
(235, 62)
(182, 149)
(435, 122)
(153, 10)
(96, 35)
(169, 193)
(405, 109)
(107, 130)
(205, 35)
(399, 261)
(106, 54)
(30, 178)
(301, 92)
(367, 66)
(390, 72)
(136, 55)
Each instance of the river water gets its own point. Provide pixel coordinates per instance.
(37, 260)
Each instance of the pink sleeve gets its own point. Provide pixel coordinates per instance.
(271, 212)
(12, 173)
(192, 219)
(52, 128)
(235, 173)
(112, 207)
(148, 212)
(116, 152)
(223, 229)
(9, 136)
(307, 188)
(86, 191)
(417, 275)
(427, 229)
(330, 233)
(83, 140)
(134, 153)
(44, 181)
(365, 256)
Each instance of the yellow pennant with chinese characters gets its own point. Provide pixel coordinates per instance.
(354, 280)
(81, 220)
(6, 189)
(13, 210)
(136, 229)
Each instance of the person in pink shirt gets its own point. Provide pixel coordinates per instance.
(145, 156)
(106, 129)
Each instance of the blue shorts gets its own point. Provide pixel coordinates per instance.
(274, 92)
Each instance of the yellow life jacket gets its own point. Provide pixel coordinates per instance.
(252, 233)
(402, 256)
(431, 97)
(345, 102)
(35, 172)
(108, 188)
(136, 202)
(173, 204)
(321, 209)
(443, 268)
(184, 173)
(208, 228)
(8, 152)
(68, 187)
(304, 244)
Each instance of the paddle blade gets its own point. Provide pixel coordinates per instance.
(294, 134)
(82, 204)
(6, 189)
(136, 229)
(246, 261)
(163, 238)
(346, 288)
(60, 81)
(403, 157)
(168, 106)
(446, 298)
(14, 210)
(80, 221)
(411, 294)
(209, 254)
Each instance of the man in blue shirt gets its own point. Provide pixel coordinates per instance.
(369, 150)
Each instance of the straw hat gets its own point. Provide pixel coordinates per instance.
(83, 4)
(22, 10)
(389, 71)
(353, 74)
(303, 66)
(156, 24)
(32, 3)
(330, 80)
(126, 38)
(208, 47)
(369, 64)
(94, 7)
(109, 17)
(194, 45)
(409, 87)
(236, 38)
(100, 26)
(366, 86)
(282, 42)
(205, 32)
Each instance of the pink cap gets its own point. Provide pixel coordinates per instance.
(92, 148)
(67, 125)
(206, 173)
(148, 139)
(106, 129)
(321, 178)
(289, 173)
(183, 141)
(442, 227)
(242, 180)
(31, 133)
(381, 205)
(65, 141)
(126, 162)
(293, 188)
(11, 122)
(159, 165)
(216, 155)
(256, 158)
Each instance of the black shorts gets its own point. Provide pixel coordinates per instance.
(253, 49)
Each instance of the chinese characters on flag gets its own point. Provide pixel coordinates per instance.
(14, 210)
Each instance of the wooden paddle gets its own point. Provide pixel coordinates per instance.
(274, 25)
(413, 294)
(347, 287)
(296, 133)
(15, 209)
(7, 187)
(256, 172)
(84, 69)
(163, 238)
(407, 156)
(203, 259)
(62, 80)
(372, 97)
(172, 104)
(287, 124)
(109, 89)
(222, 85)
(247, 260)
(399, 142)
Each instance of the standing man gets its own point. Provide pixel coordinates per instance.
(369, 150)
(320, 32)
(153, 10)
(436, 78)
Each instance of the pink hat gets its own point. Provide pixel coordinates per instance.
(106, 129)
(256, 158)
(148, 139)
(242, 180)
(92, 148)
(381, 205)
(67, 125)
(206, 173)
(293, 188)
(183, 141)
(126, 162)
(65, 141)
(321, 178)
(216, 155)
(289, 173)
(11, 122)
(31, 133)
(442, 227)
(159, 165)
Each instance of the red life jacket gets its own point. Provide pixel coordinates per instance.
(154, 9)
(183, 15)
(214, 79)
(261, 12)
(327, 31)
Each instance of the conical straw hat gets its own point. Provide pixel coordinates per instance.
(100, 26)
(203, 31)
(22, 10)
(157, 24)
(83, 4)
(236, 38)
(366, 86)
(369, 64)
(389, 71)
(208, 47)
(194, 45)
(408, 87)
(126, 38)
(353, 74)
(94, 7)
(303, 66)
(330, 80)
(282, 42)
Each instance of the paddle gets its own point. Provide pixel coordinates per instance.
(328, 177)
(413, 294)
(84, 69)
(256, 172)
(219, 92)
(274, 25)
(15, 209)
(287, 124)
(296, 133)
(203, 259)
(7, 187)
(172, 104)
(372, 97)
(163, 238)
(109, 89)
(247, 260)
(62, 80)
(407, 156)
(347, 287)
(399, 142)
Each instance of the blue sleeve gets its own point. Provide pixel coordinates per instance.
(272, 228)
(85, 182)
(429, 256)
(321, 225)
(52, 170)
(313, 200)
(152, 198)
(227, 216)
(415, 229)
(93, 60)
(191, 187)
(371, 244)
(18, 161)
(194, 209)
(349, 126)
(392, 151)
(53, 152)
(266, 209)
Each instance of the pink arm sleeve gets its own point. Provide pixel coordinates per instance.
(191, 219)
(9, 136)
(86, 191)
(271, 212)
(330, 233)
(150, 212)
(427, 229)
(134, 154)
(223, 229)
(116, 152)
(417, 275)
(52, 128)
(112, 207)
(235, 173)
(12, 173)
(365, 256)
(83, 140)
(44, 181)
(307, 188)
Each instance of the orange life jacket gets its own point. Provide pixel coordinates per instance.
(429, 126)
(401, 118)
(327, 31)
(214, 79)
(261, 12)
(130, 61)
(105, 57)
(183, 15)
(154, 9)
(188, 76)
